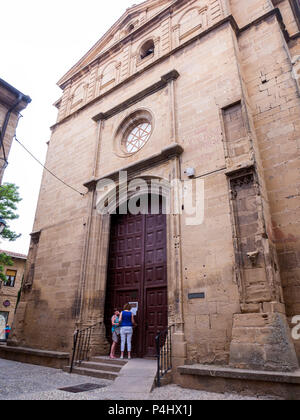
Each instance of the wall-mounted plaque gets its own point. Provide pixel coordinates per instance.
(196, 295)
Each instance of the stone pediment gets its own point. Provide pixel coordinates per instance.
(132, 19)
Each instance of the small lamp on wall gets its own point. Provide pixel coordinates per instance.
(190, 172)
(2, 225)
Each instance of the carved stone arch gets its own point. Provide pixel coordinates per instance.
(130, 26)
(118, 195)
(94, 277)
(141, 49)
(188, 14)
(143, 230)
(192, 20)
(78, 94)
(109, 75)
(147, 50)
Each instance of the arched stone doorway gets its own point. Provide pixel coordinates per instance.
(137, 272)
(94, 282)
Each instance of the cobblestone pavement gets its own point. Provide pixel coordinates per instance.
(20, 381)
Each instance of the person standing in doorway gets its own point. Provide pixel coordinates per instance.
(115, 329)
(127, 323)
(7, 331)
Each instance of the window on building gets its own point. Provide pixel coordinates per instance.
(130, 28)
(296, 9)
(138, 137)
(134, 132)
(11, 278)
(147, 49)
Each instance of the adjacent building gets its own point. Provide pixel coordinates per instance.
(12, 102)
(181, 92)
(10, 290)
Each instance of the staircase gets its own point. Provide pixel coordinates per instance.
(99, 367)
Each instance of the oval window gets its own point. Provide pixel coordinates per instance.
(133, 133)
(138, 137)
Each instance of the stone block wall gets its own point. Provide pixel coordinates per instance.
(262, 342)
(275, 102)
(10, 294)
(233, 109)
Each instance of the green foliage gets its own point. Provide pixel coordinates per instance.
(9, 198)
(4, 260)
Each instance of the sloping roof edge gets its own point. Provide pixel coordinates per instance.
(14, 254)
(15, 91)
(128, 12)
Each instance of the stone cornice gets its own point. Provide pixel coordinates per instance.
(119, 44)
(173, 75)
(274, 12)
(172, 151)
(237, 170)
(168, 10)
(227, 20)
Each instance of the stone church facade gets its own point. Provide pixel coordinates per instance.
(198, 90)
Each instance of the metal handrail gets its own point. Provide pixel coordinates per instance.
(82, 345)
(163, 342)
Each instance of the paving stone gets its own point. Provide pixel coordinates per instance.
(20, 381)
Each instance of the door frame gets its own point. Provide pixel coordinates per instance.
(93, 274)
(142, 289)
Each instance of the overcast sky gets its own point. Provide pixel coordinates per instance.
(40, 42)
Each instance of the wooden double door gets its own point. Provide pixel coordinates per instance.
(137, 272)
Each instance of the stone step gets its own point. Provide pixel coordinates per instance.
(107, 360)
(101, 366)
(95, 373)
(136, 378)
(225, 379)
(53, 359)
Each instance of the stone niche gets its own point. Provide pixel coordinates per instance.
(261, 338)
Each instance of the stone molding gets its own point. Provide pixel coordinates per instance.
(172, 75)
(94, 276)
(172, 151)
(227, 20)
(121, 42)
